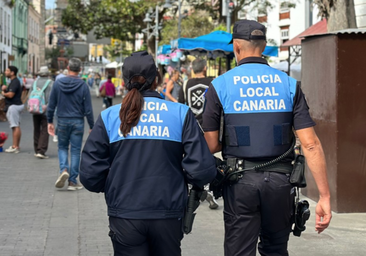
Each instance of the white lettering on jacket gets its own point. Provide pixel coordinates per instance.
(251, 92)
(151, 130)
(257, 79)
(252, 105)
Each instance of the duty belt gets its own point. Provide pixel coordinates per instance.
(240, 164)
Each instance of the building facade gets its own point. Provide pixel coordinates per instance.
(360, 9)
(40, 6)
(34, 21)
(20, 36)
(284, 21)
(5, 33)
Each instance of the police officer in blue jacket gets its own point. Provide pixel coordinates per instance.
(140, 154)
(260, 106)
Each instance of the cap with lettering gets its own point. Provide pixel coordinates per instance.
(243, 30)
(139, 64)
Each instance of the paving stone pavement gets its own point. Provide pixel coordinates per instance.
(38, 219)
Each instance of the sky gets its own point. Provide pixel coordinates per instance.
(50, 4)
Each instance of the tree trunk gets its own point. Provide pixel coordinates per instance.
(342, 16)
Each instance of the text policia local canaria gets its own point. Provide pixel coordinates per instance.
(150, 130)
(266, 103)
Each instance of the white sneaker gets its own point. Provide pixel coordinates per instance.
(55, 138)
(72, 186)
(39, 155)
(12, 150)
(211, 200)
(60, 182)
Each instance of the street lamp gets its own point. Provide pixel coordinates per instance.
(229, 9)
(169, 5)
(155, 30)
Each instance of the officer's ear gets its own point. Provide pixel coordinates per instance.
(236, 46)
(264, 46)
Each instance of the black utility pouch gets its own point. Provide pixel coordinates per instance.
(297, 178)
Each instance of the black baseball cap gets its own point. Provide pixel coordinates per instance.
(243, 30)
(139, 64)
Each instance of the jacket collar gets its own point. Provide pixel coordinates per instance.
(150, 93)
(250, 60)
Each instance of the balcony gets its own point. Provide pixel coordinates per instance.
(21, 44)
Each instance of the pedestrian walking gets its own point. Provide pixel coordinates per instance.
(97, 80)
(260, 106)
(71, 96)
(102, 82)
(146, 192)
(29, 82)
(173, 87)
(109, 91)
(40, 130)
(13, 106)
(192, 94)
(62, 74)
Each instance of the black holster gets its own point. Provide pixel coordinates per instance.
(297, 178)
(195, 196)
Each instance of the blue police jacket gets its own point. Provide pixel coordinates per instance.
(144, 174)
(257, 101)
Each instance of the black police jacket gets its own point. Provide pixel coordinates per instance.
(144, 174)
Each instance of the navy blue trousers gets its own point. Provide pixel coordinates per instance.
(146, 237)
(260, 206)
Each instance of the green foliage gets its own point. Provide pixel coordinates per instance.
(52, 53)
(222, 27)
(11, 3)
(271, 42)
(214, 8)
(288, 4)
(325, 7)
(115, 51)
(122, 19)
(119, 19)
(192, 26)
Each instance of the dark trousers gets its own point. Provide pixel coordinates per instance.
(40, 134)
(108, 102)
(260, 205)
(146, 237)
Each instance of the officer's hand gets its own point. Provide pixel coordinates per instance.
(323, 215)
(3, 88)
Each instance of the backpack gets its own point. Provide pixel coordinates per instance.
(37, 101)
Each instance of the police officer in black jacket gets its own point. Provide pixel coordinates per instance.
(141, 154)
(260, 106)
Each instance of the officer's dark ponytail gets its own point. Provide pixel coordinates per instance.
(131, 108)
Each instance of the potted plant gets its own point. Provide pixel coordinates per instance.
(11, 3)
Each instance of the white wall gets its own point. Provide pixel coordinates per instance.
(297, 22)
(360, 9)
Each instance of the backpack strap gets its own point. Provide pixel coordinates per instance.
(35, 86)
(46, 85)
